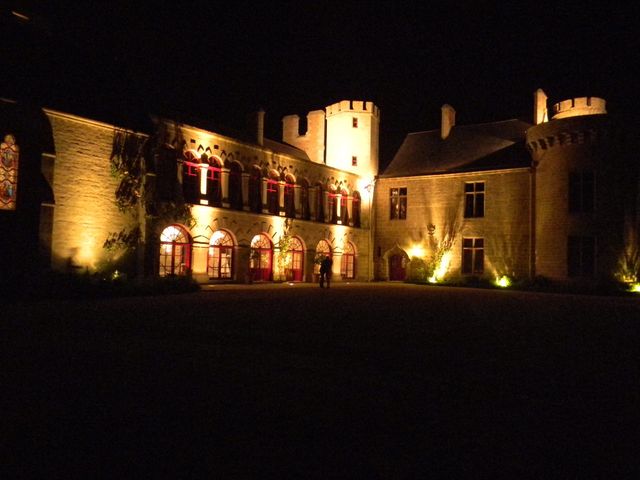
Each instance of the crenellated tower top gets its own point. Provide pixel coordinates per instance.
(578, 107)
(344, 135)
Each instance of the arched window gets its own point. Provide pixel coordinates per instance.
(294, 265)
(214, 182)
(319, 202)
(289, 196)
(255, 190)
(220, 261)
(344, 207)
(273, 203)
(175, 251)
(348, 264)
(333, 204)
(323, 249)
(9, 155)
(191, 177)
(355, 209)
(235, 186)
(304, 199)
(261, 258)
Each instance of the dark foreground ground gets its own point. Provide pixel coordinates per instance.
(360, 381)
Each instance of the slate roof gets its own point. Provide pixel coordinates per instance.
(487, 146)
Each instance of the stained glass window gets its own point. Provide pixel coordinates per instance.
(9, 153)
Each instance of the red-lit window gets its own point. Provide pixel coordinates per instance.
(220, 261)
(261, 258)
(214, 186)
(273, 203)
(348, 264)
(175, 251)
(191, 178)
(294, 263)
(354, 161)
(289, 197)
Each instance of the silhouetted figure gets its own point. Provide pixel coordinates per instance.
(325, 271)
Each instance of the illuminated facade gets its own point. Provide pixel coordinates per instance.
(500, 201)
(512, 200)
(215, 206)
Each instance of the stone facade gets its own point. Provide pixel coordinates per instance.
(435, 215)
(569, 212)
(558, 198)
(242, 187)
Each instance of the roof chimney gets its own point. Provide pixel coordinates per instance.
(539, 107)
(448, 120)
(260, 127)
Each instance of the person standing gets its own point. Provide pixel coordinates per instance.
(325, 271)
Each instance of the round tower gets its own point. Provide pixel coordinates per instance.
(582, 192)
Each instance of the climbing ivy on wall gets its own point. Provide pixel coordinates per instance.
(127, 164)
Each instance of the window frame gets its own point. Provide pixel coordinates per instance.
(474, 199)
(472, 262)
(398, 203)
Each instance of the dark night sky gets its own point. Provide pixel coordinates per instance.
(119, 60)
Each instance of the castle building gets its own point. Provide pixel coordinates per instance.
(556, 198)
(190, 201)
(511, 200)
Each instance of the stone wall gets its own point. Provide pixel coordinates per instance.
(435, 214)
(85, 212)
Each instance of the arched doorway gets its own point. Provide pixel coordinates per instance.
(220, 260)
(398, 266)
(323, 249)
(261, 258)
(294, 269)
(348, 264)
(175, 251)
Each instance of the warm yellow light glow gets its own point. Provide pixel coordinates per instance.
(441, 268)
(503, 281)
(203, 178)
(216, 237)
(170, 234)
(416, 251)
(634, 287)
